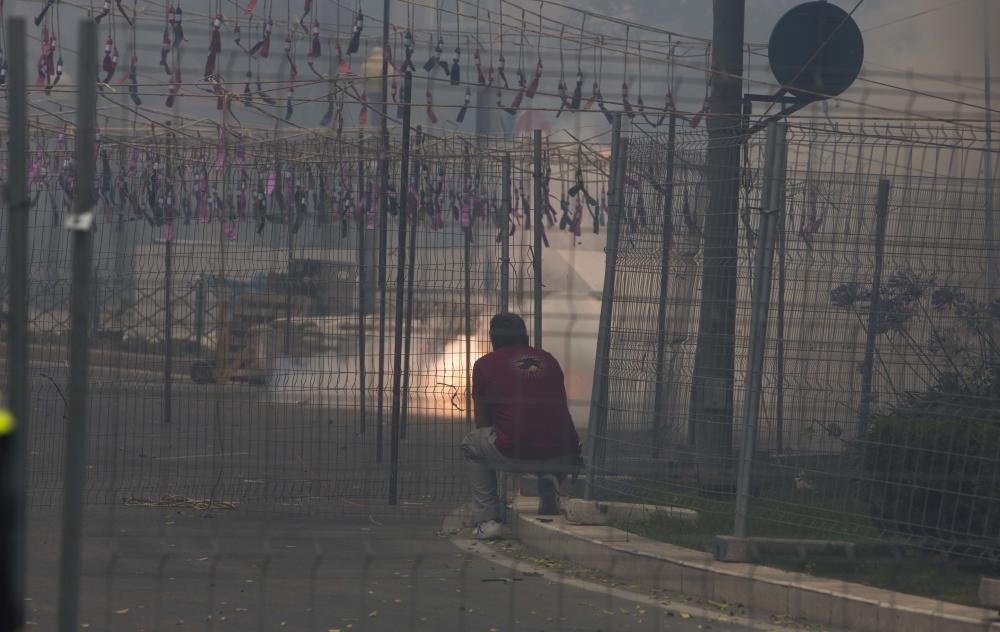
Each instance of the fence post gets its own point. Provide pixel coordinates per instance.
(661, 316)
(397, 369)
(168, 329)
(383, 246)
(80, 224)
(868, 368)
(95, 304)
(14, 433)
(779, 379)
(411, 266)
(597, 424)
(199, 313)
(505, 203)
(362, 312)
(288, 284)
(536, 259)
(773, 204)
(467, 295)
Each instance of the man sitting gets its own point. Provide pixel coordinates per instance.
(523, 423)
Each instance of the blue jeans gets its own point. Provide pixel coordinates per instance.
(479, 449)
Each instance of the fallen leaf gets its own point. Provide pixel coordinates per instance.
(122, 611)
(373, 614)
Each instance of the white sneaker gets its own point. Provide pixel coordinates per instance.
(487, 530)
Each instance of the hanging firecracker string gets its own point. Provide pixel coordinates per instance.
(177, 21)
(214, 46)
(626, 104)
(501, 62)
(238, 33)
(166, 46)
(315, 49)
(56, 45)
(577, 99)
(533, 86)
(562, 88)
(363, 99)
(455, 71)
(359, 23)
(598, 73)
(695, 120)
(132, 77)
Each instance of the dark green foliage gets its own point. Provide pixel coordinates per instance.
(935, 477)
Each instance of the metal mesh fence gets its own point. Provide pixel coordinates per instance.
(878, 413)
(231, 288)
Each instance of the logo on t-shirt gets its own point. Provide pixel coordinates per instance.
(528, 364)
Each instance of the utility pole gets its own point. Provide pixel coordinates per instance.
(710, 425)
(991, 244)
(80, 224)
(14, 421)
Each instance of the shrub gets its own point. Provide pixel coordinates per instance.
(933, 476)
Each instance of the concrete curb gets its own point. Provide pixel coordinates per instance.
(828, 602)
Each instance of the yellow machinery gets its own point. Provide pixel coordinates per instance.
(243, 316)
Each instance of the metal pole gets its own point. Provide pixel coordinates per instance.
(990, 236)
(710, 425)
(13, 436)
(384, 106)
(288, 285)
(411, 274)
(168, 329)
(991, 245)
(661, 317)
(199, 312)
(467, 299)
(599, 389)
(404, 192)
(80, 224)
(779, 380)
(868, 368)
(505, 202)
(383, 239)
(362, 310)
(536, 258)
(773, 198)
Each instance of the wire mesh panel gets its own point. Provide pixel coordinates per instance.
(878, 413)
(242, 334)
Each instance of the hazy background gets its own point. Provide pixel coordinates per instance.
(939, 53)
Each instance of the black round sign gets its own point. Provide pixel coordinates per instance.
(816, 50)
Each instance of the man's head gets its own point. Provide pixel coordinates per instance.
(508, 330)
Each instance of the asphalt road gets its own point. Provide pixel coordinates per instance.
(236, 443)
(283, 524)
(151, 569)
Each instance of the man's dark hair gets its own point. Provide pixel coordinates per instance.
(508, 330)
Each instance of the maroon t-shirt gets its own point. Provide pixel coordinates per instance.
(526, 395)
